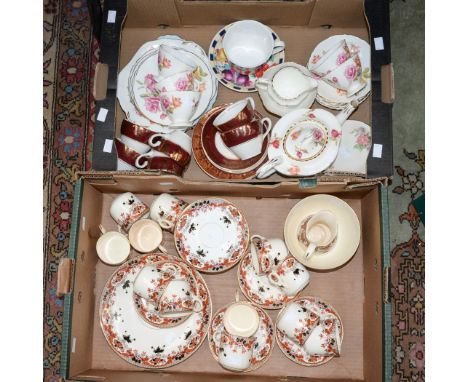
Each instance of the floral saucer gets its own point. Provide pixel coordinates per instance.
(263, 345)
(148, 310)
(227, 75)
(257, 288)
(211, 235)
(295, 352)
(135, 340)
(329, 96)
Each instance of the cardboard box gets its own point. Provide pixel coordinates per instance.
(301, 24)
(357, 290)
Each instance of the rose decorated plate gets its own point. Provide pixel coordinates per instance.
(227, 75)
(306, 141)
(135, 340)
(257, 288)
(264, 337)
(334, 98)
(297, 353)
(211, 235)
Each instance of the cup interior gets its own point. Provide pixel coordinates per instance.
(113, 248)
(145, 235)
(230, 112)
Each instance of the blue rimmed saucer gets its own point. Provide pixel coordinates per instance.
(225, 73)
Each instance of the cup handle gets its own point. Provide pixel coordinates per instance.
(274, 279)
(310, 250)
(138, 163)
(164, 223)
(268, 122)
(102, 229)
(279, 46)
(163, 249)
(155, 140)
(198, 305)
(254, 256)
(252, 102)
(268, 168)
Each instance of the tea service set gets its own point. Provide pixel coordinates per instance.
(156, 309)
(170, 86)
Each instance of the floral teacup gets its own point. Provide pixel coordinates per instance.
(347, 76)
(267, 254)
(290, 276)
(324, 339)
(126, 209)
(182, 81)
(165, 209)
(334, 57)
(180, 106)
(297, 322)
(172, 61)
(152, 279)
(178, 299)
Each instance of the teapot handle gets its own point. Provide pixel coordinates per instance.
(268, 168)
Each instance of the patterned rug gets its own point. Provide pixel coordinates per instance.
(70, 55)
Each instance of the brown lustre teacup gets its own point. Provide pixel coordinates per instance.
(237, 114)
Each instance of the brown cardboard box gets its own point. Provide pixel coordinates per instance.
(355, 289)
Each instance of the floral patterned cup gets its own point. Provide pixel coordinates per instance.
(165, 209)
(182, 81)
(126, 209)
(267, 254)
(290, 276)
(347, 76)
(324, 339)
(297, 322)
(178, 299)
(334, 57)
(180, 106)
(172, 60)
(152, 279)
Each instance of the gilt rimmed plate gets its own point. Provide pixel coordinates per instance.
(257, 288)
(264, 343)
(211, 235)
(306, 140)
(148, 311)
(295, 352)
(227, 75)
(138, 342)
(329, 96)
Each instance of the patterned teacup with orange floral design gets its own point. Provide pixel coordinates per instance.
(324, 339)
(165, 209)
(180, 106)
(126, 209)
(172, 60)
(290, 276)
(297, 322)
(177, 299)
(154, 278)
(267, 254)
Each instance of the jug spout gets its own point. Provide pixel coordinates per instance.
(312, 83)
(346, 112)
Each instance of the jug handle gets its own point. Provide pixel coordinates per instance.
(262, 83)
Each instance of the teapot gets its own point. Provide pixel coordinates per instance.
(286, 87)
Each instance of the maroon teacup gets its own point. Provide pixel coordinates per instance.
(138, 133)
(126, 154)
(241, 134)
(161, 164)
(237, 114)
(176, 145)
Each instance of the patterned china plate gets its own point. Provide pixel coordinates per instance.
(306, 141)
(138, 342)
(227, 75)
(329, 96)
(257, 288)
(295, 352)
(148, 311)
(264, 343)
(211, 235)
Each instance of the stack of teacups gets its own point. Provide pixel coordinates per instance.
(341, 68)
(240, 129)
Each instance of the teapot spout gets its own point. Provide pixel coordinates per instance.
(347, 111)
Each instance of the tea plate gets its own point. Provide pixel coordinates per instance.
(348, 237)
(211, 235)
(329, 96)
(244, 83)
(295, 352)
(138, 342)
(356, 142)
(148, 310)
(292, 128)
(257, 288)
(263, 345)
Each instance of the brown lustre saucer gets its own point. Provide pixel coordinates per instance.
(211, 161)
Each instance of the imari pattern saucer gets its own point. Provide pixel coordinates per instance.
(295, 352)
(226, 74)
(211, 235)
(263, 346)
(138, 342)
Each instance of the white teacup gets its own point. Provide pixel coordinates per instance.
(181, 81)
(152, 280)
(290, 276)
(126, 209)
(347, 76)
(267, 254)
(249, 44)
(324, 339)
(318, 231)
(165, 209)
(297, 322)
(112, 247)
(334, 57)
(145, 236)
(180, 106)
(253, 147)
(172, 60)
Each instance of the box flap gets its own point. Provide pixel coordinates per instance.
(101, 74)
(388, 85)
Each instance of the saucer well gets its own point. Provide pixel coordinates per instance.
(348, 237)
(264, 343)
(227, 75)
(135, 340)
(295, 352)
(211, 235)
